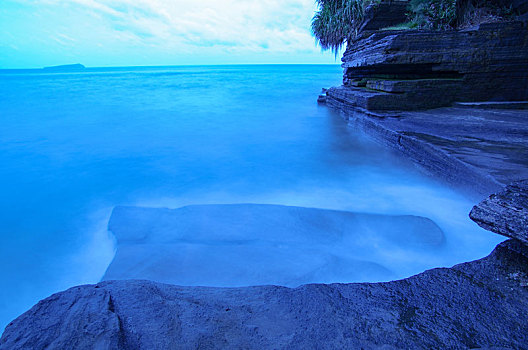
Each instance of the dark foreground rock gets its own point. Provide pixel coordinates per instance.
(505, 213)
(472, 305)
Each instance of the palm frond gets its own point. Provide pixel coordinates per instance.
(337, 22)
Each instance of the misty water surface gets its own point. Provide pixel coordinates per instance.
(73, 146)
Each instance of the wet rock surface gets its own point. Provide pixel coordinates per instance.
(478, 304)
(479, 150)
(506, 212)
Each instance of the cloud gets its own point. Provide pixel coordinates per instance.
(186, 27)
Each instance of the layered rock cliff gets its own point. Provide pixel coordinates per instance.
(417, 69)
(395, 81)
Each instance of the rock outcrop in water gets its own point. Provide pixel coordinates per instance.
(481, 304)
(419, 69)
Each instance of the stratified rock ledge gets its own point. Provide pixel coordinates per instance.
(505, 213)
(420, 69)
(476, 150)
(472, 305)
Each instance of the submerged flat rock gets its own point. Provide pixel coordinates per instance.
(251, 244)
(506, 212)
(481, 304)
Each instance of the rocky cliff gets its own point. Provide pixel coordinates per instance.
(395, 81)
(417, 69)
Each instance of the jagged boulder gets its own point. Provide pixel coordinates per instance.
(505, 213)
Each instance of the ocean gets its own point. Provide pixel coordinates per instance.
(75, 145)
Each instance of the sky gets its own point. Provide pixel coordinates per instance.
(98, 33)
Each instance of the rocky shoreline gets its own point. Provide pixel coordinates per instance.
(453, 101)
(478, 304)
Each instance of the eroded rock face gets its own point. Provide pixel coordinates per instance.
(75, 319)
(478, 304)
(505, 213)
(420, 69)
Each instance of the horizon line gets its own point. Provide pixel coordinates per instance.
(178, 65)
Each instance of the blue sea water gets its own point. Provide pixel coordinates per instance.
(74, 145)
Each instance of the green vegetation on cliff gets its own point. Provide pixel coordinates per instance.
(339, 21)
(452, 14)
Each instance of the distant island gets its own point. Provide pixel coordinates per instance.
(65, 68)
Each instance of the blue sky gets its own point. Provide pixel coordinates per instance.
(37, 33)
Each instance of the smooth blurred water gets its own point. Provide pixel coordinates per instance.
(74, 145)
